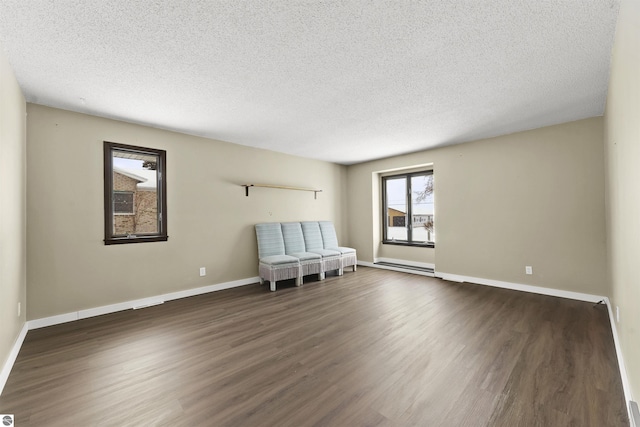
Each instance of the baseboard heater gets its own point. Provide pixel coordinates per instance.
(405, 267)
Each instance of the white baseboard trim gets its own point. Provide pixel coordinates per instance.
(106, 309)
(13, 354)
(52, 320)
(497, 283)
(83, 314)
(626, 386)
(521, 287)
(449, 277)
(405, 262)
(401, 270)
(139, 303)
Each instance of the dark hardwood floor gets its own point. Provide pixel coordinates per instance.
(370, 348)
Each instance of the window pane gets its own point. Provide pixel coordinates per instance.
(135, 196)
(123, 202)
(396, 190)
(422, 208)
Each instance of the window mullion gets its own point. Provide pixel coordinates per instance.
(409, 214)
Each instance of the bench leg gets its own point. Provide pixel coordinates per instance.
(261, 281)
(272, 286)
(340, 272)
(321, 276)
(299, 281)
(354, 267)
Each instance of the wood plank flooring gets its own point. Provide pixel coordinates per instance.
(370, 348)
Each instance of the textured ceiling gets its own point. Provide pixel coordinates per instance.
(343, 81)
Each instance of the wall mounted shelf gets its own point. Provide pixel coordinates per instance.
(282, 187)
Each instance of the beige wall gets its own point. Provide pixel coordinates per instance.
(407, 253)
(210, 221)
(622, 142)
(531, 198)
(12, 209)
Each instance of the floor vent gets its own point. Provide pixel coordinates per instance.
(405, 267)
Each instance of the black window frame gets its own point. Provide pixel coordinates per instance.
(161, 191)
(385, 216)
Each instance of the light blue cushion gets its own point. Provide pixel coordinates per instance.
(328, 231)
(306, 256)
(278, 260)
(293, 238)
(330, 240)
(344, 250)
(270, 240)
(325, 252)
(312, 236)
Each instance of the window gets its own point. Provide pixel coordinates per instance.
(408, 215)
(135, 194)
(123, 202)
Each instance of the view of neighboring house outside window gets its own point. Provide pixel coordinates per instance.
(135, 207)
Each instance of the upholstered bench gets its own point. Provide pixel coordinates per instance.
(292, 250)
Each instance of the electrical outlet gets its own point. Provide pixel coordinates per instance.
(617, 314)
(203, 271)
(19, 309)
(528, 269)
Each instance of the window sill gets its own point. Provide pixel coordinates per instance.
(137, 239)
(417, 245)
